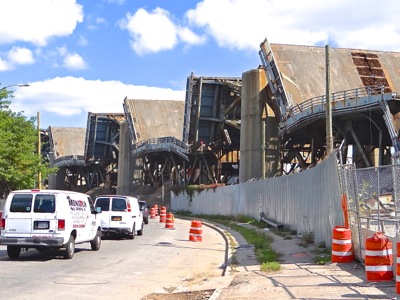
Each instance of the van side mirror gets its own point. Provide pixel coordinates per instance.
(98, 209)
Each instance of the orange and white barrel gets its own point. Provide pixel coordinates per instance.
(378, 258)
(156, 209)
(398, 268)
(152, 213)
(163, 214)
(196, 231)
(169, 222)
(342, 247)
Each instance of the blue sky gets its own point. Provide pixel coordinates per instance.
(81, 56)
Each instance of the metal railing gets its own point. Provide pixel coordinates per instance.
(164, 142)
(341, 101)
(69, 160)
(372, 202)
(339, 98)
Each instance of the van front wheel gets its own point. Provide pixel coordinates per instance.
(70, 248)
(96, 242)
(13, 251)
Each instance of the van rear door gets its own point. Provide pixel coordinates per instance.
(104, 204)
(120, 215)
(44, 221)
(31, 215)
(19, 216)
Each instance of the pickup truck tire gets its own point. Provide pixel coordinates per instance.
(140, 232)
(13, 251)
(96, 243)
(133, 233)
(70, 248)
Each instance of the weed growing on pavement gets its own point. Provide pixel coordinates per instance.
(232, 242)
(234, 261)
(307, 238)
(270, 266)
(322, 254)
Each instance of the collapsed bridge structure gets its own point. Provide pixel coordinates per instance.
(365, 103)
(269, 122)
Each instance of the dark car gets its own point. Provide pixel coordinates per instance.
(145, 210)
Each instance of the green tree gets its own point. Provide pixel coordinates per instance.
(20, 163)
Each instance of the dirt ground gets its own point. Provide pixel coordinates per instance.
(190, 295)
(299, 278)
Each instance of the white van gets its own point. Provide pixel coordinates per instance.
(120, 215)
(49, 219)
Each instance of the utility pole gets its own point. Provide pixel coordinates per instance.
(328, 104)
(39, 175)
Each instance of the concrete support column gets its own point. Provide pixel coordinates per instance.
(252, 142)
(125, 162)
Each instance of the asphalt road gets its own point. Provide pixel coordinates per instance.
(162, 260)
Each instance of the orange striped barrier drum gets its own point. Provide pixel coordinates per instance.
(163, 214)
(152, 213)
(195, 233)
(378, 258)
(398, 268)
(156, 209)
(342, 247)
(169, 222)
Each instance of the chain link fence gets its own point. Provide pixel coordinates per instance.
(372, 198)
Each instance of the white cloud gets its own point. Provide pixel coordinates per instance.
(27, 20)
(244, 25)
(71, 96)
(144, 29)
(349, 24)
(101, 21)
(74, 61)
(3, 65)
(82, 41)
(69, 60)
(155, 31)
(190, 37)
(21, 56)
(16, 56)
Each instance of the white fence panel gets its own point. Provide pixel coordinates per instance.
(309, 201)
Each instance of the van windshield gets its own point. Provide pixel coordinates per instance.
(118, 204)
(104, 203)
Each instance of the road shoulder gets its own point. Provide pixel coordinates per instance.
(299, 277)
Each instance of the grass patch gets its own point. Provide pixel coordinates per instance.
(307, 238)
(270, 266)
(322, 255)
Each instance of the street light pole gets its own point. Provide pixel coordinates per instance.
(15, 84)
(39, 179)
(328, 103)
